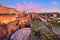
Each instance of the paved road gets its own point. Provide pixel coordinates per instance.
(21, 34)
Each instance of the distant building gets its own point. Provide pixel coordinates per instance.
(51, 14)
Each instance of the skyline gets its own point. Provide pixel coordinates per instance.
(33, 5)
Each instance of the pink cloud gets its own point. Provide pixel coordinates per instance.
(31, 7)
(43, 10)
(27, 7)
(19, 7)
(54, 2)
(48, 10)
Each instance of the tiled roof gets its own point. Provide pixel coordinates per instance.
(7, 10)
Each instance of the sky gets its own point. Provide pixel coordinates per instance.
(33, 5)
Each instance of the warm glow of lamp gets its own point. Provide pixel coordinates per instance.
(13, 19)
(22, 22)
(5, 21)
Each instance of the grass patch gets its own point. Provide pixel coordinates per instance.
(57, 24)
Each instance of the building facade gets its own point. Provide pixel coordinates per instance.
(7, 14)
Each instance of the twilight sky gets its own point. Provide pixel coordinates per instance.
(33, 5)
